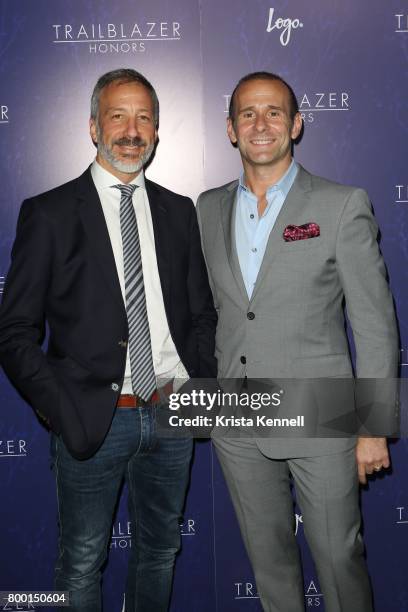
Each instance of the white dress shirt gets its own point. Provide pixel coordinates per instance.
(166, 360)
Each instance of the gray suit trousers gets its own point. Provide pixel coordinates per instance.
(327, 493)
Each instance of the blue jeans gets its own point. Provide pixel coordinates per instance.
(157, 472)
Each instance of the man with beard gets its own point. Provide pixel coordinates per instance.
(113, 263)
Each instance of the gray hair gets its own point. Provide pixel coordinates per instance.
(123, 75)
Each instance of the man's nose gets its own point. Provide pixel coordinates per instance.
(132, 128)
(260, 123)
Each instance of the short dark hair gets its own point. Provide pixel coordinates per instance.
(123, 75)
(265, 76)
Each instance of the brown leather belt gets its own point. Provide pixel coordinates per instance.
(134, 401)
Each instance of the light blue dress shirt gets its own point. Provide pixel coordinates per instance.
(251, 231)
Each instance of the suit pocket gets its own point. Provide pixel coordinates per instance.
(66, 364)
(323, 366)
(302, 245)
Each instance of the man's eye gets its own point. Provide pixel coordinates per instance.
(144, 118)
(117, 116)
(248, 115)
(273, 114)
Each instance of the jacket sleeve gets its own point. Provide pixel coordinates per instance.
(369, 302)
(370, 310)
(23, 312)
(201, 302)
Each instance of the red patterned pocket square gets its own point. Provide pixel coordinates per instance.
(301, 232)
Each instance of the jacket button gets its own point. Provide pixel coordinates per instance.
(122, 343)
(251, 316)
(115, 387)
(243, 359)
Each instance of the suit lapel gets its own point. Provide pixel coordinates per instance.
(162, 243)
(91, 213)
(228, 205)
(296, 200)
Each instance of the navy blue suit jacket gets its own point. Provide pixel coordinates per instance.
(63, 271)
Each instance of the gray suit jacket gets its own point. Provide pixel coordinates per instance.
(298, 330)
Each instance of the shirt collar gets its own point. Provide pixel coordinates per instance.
(284, 184)
(104, 179)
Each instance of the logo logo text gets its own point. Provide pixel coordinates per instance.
(13, 448)
(4, 113)
(402, 23)
(285, 26)
(401, 194)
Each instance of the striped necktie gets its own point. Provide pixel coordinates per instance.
(140, 349)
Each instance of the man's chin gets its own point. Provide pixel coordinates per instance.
(127, 163)
(127, 168)
(129, 160)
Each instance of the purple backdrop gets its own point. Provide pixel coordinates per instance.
(348, 63)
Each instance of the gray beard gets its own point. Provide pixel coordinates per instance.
(106, 152)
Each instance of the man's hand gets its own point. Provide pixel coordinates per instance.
(372, 456)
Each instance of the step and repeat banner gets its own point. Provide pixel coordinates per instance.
(348, 64)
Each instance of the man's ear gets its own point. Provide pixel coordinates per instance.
(93, 131)
(296, 126)
(231, 132)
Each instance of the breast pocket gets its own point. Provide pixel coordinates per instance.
(306, 244)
